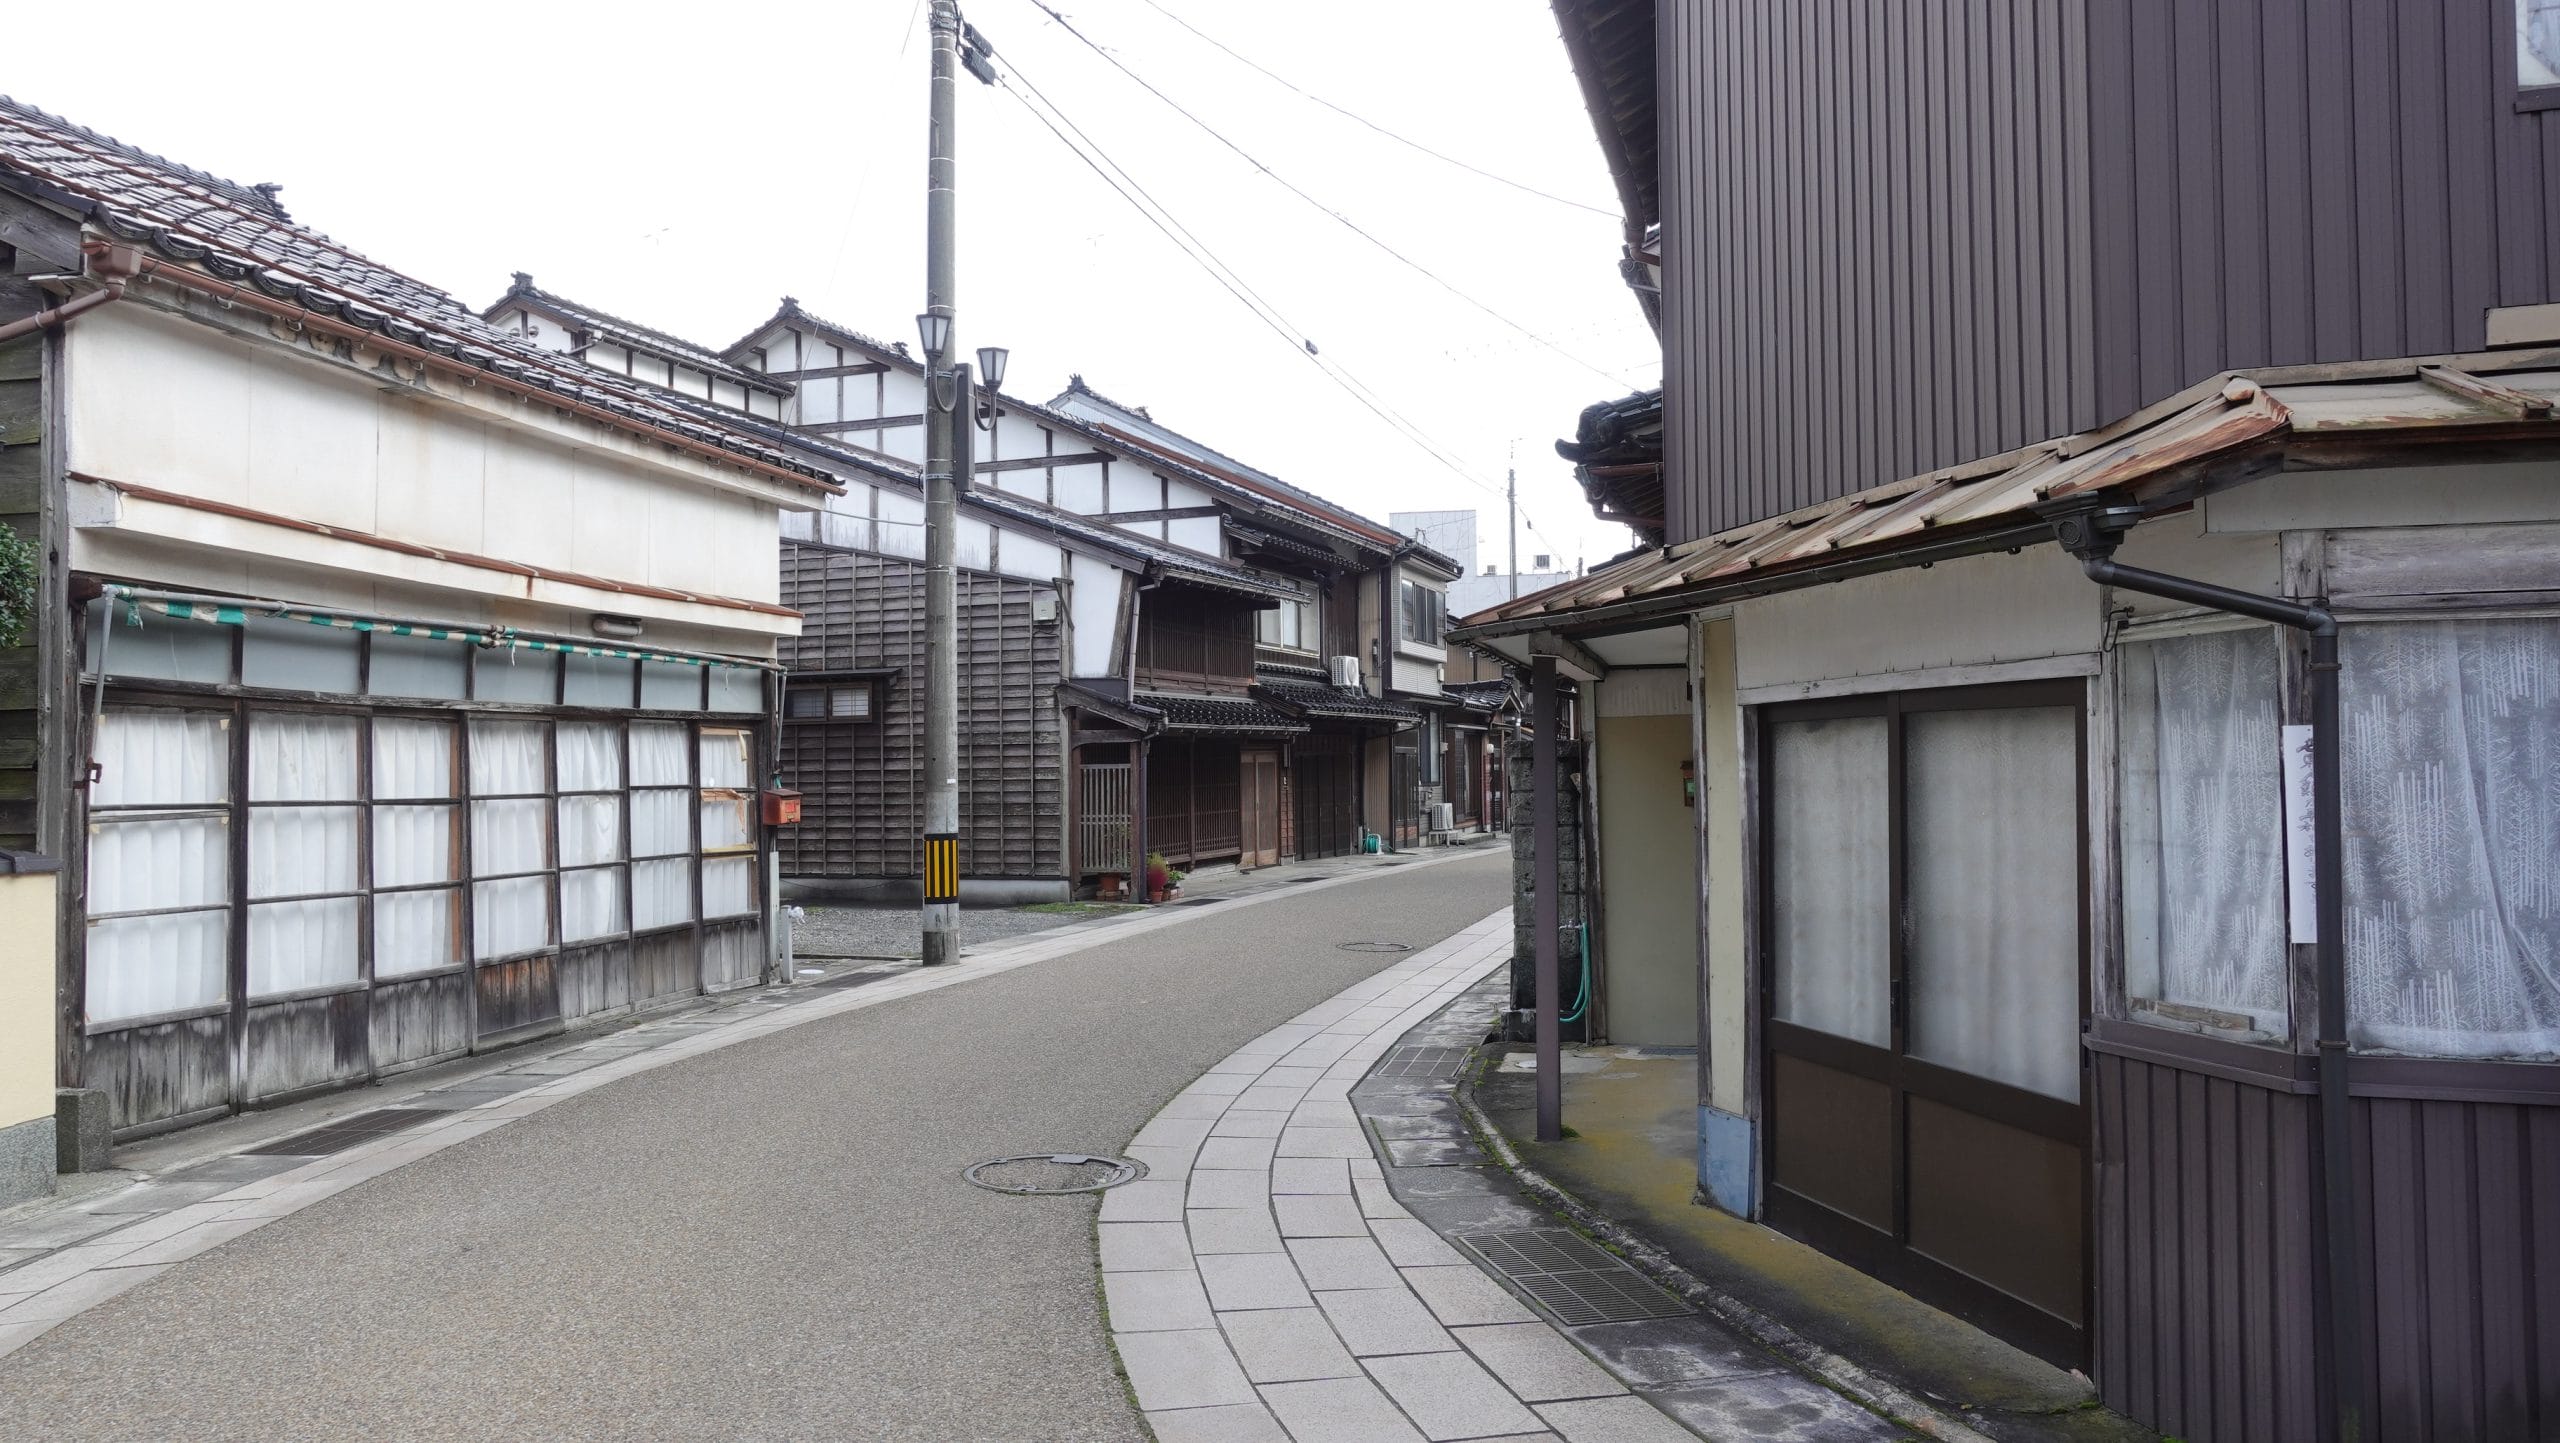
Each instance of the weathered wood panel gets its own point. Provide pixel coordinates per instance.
(421, 1019)
(594, 979)
(166, 1070)
(862, 800)
(665, 964)
(518, 999)
(732, 954)
(306, 1043)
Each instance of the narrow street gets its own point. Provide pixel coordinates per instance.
(771, 1240)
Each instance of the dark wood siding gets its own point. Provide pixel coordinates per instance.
(862, 803)
(1195, 641)
(1900, 238)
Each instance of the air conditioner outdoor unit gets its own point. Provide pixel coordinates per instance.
(1444, 816)
(1346, 670)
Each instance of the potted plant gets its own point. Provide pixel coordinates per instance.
(1159, 877)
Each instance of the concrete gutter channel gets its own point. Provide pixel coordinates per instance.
(179, 1194)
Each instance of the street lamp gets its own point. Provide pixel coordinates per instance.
(991, 361)
(934, 330)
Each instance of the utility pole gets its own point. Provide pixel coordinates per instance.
(1511, 503)
(941, 611)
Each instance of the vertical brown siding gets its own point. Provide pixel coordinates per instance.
(1901, 237)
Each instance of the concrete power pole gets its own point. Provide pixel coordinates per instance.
(1511, 504)
(941, 611)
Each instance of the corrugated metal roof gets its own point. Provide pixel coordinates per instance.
(2230, 429)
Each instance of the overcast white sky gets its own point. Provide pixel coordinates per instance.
(685, 167)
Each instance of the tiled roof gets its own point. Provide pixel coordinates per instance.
(1482, 695)
(238, 236)
(631, 335)
(792, 310)
(1234, 716)
(1322, 699)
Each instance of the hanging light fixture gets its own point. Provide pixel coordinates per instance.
(935, 331)
(991, 361)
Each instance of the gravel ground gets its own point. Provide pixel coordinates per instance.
(771, 1241)
(896, 931)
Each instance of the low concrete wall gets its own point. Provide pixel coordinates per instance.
(907, 891)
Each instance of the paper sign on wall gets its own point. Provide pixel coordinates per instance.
(2301, 838)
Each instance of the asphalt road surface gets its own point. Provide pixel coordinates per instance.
(770, 1241)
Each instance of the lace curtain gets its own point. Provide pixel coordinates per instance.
(2452, 777)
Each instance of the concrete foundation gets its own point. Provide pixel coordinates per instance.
(909, 891)
(1724, 1161)
(83, 1130)
(26, 1161)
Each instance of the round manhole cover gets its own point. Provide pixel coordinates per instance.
(1032, 1174)
(1377, 946)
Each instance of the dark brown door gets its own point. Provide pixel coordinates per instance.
(1261, 846)
(1404, 799)
(1328, 795)
(1923, 976)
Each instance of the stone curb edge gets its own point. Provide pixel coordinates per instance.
(1645, 1257)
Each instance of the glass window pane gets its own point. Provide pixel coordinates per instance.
(590, 829)
(510, 916)
(725, 761)
(598, 681)
(590, 904)
(661, 893)
(298, 656)
(162, 759)
(590, 756)
(2452, 800)
(146, 644)
(737, 689)
(670, 686)
(301, 851)
(507, 757)
(728, 886)
(296, 945)
(510, 836)
(658, 754)
(143, 863)
(418, 666)
(661, 823)
(1992, 867)
(2200, 801)
(515, 673)
(724, 823)
(412, 758)
(1830, 873)
(416, 931)
(301, 757)
(139, 966)
(415, 845)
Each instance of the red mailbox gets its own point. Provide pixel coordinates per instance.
(781, 807)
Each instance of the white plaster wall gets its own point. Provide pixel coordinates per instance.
(1030, 558)
(1414, 675)
(2391, 496)
(1197, 533)
(2186, 545)
(1972, 611)
(1720, 803)
(902, 524)
(1078, 488)
(1095, 599)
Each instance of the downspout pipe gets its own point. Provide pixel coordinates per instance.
(112, 265)
(2092, 536)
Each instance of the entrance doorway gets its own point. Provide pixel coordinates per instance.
(1923, 984)
(1261, 823)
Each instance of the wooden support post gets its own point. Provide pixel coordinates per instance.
(1548, 877)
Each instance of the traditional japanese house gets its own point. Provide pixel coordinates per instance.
(404, 690)
(2121, 674)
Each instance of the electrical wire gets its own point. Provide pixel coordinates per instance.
(1286, 84)
(1118, 178)
(1344, 221)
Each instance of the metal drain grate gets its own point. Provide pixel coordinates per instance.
(864, 978)
(1199, 901)
(1377, 946)
(1571, 1279)
(1040, 1173)
(346, 1132)
(1436, 1063)
(1293, 881)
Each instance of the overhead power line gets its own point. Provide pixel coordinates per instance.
(1285, 83)
(1344, 221)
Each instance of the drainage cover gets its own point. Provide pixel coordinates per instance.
(1437, 1063)
(864, 978)
(1377, 946)
(1570, 1278)
(1038, 1173)
(346, 1132)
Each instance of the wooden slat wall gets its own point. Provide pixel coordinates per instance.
(1903, 237)
(861, 808)
(2207, 1260)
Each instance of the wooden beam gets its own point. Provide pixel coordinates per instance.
(868, 368)
(1033, 463)
(876, 423)
(1571, 657)
(1161, 513)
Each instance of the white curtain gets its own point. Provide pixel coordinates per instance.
(590, 829)
(140, 862)
(139, 966)
(162, 759)
(506, 757)
(590, 756)
(413, 846)
(1831, 872)
(1992, 868)
(415, 932)
(2452, 793)
(659, 826)
(296, 945)
(724, 823)
(724, 760)
(412, 759)
(661, 893)
(146, 861)
(511, 916)
(590, 903)
(512, 835)
(657, 755)
(2201, 808)
(300, 757)
(728, 886)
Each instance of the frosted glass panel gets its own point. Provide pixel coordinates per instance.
(661, 893)
(162, 758)
(300, 851)
(724, 760)
(294, 945)
(590, 829)
(139, 966)
(510, 836)
(511, 916)
(158, 647)
(412, 758)
(670, 686)
(418, 666)
(506, 758)
(737, 689)
(724, 823)
(590, 756)
(140, 862)
(301, 758)
(298, 656)
(1992, 818)
(661, 825)
(597, 681)
(728, 886)
(590, 904)
(416, 932)
(2201, 825)
(1831, 875)
(414, 845)
(657, 754)
(514, 674)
